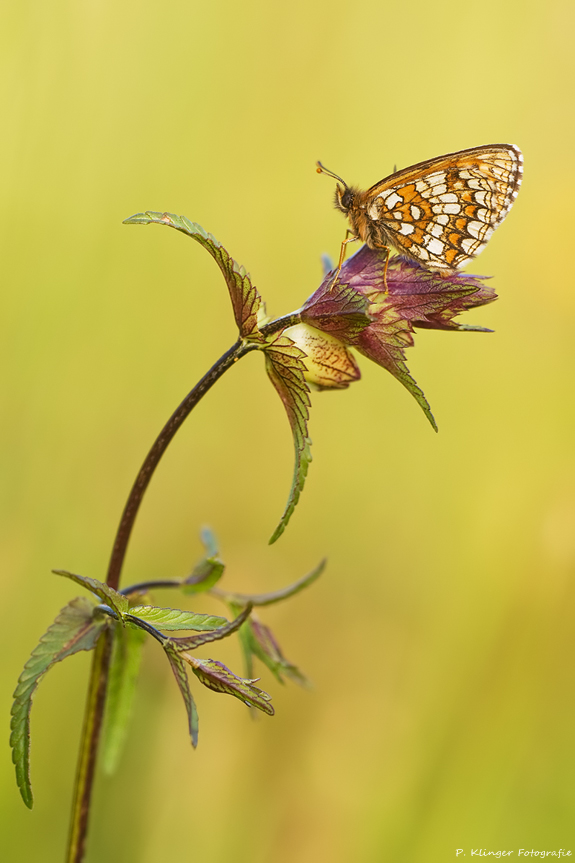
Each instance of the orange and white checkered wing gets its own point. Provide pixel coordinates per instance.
(442, 212)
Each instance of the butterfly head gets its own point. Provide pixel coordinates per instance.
(344, 195)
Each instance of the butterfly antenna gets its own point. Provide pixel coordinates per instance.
(322, 170)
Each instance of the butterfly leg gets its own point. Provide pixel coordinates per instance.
(387, 250)
(347, 240)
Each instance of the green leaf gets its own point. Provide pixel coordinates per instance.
(193, 641)
(179, 669)
(246, 301)
(204, 575)
(73, 630)
(219, 678)
(285, 367)
(123, 676)
(107, 594)
(172, 619)
(209, 570)
(240, 599)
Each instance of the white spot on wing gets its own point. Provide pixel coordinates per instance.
(393, 199)
(406, 229)
(415, 212)
(436, 247)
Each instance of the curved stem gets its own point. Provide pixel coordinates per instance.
(158, 449)
(96, 701)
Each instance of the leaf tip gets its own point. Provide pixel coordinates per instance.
(136, 219)
(277, 533)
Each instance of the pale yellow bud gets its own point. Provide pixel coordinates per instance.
(329, 365)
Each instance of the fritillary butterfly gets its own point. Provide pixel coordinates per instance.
(441, 212)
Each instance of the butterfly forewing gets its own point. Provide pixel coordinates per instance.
(442, 212)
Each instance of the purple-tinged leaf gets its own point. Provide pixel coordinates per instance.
(193, 641)
(73, 630)
(122, 679)
(246, 301)
(266, 648)
(385, 344)
(219, 678)
(107, 594)
(286, 368)
(179, 668)
(241, 599)
(173, 619)
(339, 310)
(410, 296)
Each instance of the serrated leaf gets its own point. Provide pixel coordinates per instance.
(172, 619)
(385, 345)
(218, 677)
(179, 668)
(193, 641)
(73, 630)
(338, 309)
(107, 594)
(246, 301)
(123, 676)
(285, 367)
(238, 600)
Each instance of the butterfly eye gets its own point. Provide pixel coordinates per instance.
(346, 198)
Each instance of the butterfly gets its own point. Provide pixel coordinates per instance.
(441, 212)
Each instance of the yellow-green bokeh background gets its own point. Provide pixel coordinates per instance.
(440, 638)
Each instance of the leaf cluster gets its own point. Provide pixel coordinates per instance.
(84, 619)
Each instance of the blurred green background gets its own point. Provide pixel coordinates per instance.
(440, 638)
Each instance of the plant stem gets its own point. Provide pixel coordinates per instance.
(89, 748)
(94, 713)
(158, 449)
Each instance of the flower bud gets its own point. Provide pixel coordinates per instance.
(329, 365)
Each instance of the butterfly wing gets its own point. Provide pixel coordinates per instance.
(442, 212)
